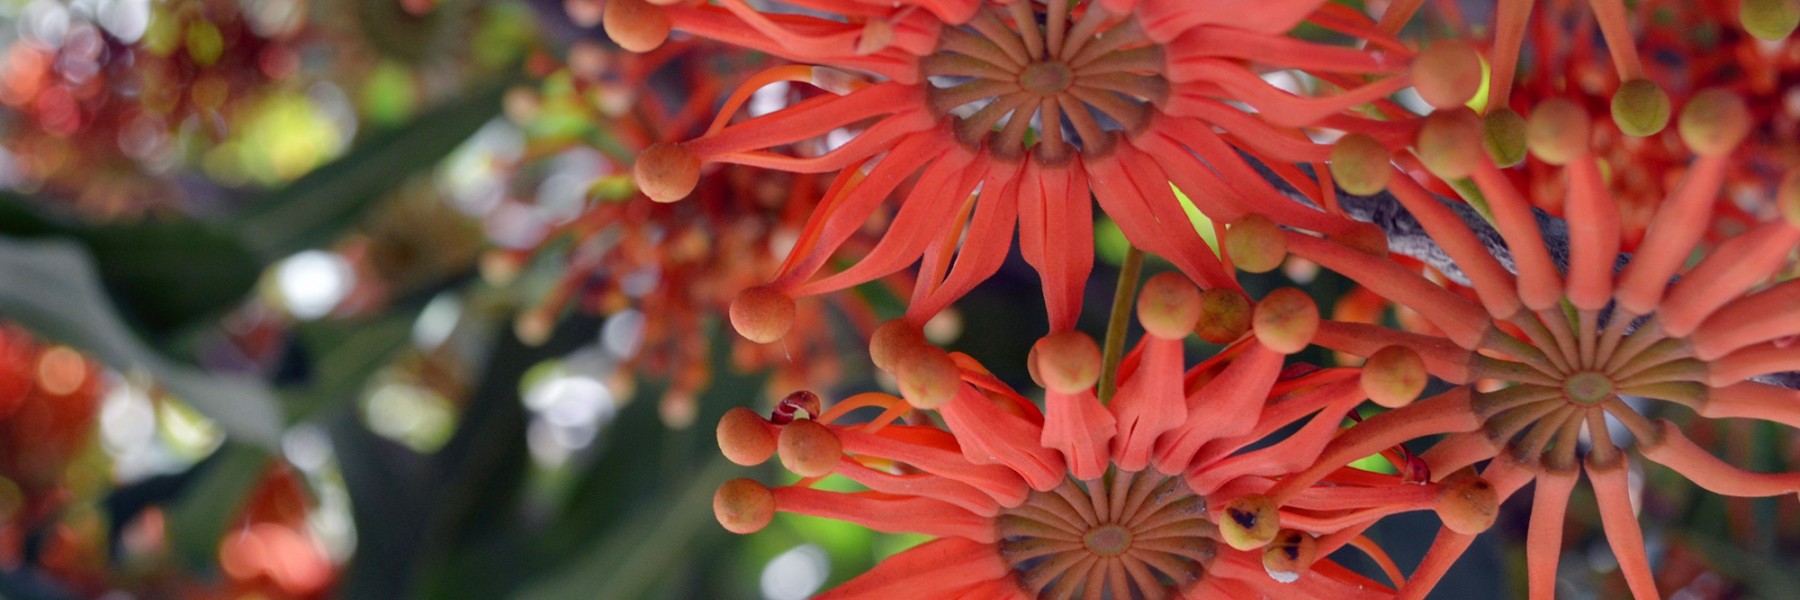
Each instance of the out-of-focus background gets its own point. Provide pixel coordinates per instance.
(354, 298)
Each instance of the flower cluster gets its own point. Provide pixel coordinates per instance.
(1584, 216)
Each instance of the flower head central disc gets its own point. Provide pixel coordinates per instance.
(1140, 533)
(1074, 75)
(1587, 388)
(1046, 78)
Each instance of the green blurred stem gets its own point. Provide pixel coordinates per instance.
(1123, 297)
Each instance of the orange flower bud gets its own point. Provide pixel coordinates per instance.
(1290, 554)
(762, 314)
(1640, 108)
(1450, 144)
(666, 172)
(1394, 376)
(1249, 522)
(1285, 320)
(1447, 73)
(1224, 316)
(1169, 306)
(1558, 131)
(1714, 122)
(1503, 135)
(1360, 164)
(1468, 504)
(928, 377)
(744, 437)
(891, 340)
(808, 448)
(1066, 362)
(634, 25)
(1256, 244)
(744, 506)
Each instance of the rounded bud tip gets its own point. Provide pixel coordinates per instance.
(1640, 108)
(1450, 143)
(666, 172)
(1168, 306)
(1066, 362)
(1285, 320)
(1291, 553)
(635, 25)
(1558, 131)
(744, 505)
(891, 340)
(928, 377)
(762, 314)
(808, 448)
(1255, 244)
(1249, 522)
(1224, 316)
(1713, 122)
(1360, 165)
(1447, 74)
(1503, 136)
(1394, 376)
(744, 437)
(1771, 20)
(1468, 504)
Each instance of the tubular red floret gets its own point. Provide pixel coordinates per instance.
(744, 437)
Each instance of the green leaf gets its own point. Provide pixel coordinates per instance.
(164, 273)
(314, 209)
(634, 556)
(199, 518)
(53, 288)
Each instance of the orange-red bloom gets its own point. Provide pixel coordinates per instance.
(1009, 115)
(1570, 343)
(1160, 492)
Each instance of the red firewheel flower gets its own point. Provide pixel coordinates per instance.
(1004, 113)
(1158, 493)
(1562, 349)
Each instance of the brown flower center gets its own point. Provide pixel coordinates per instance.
(1569, 373)
(1071, 75)
(1127, 535)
